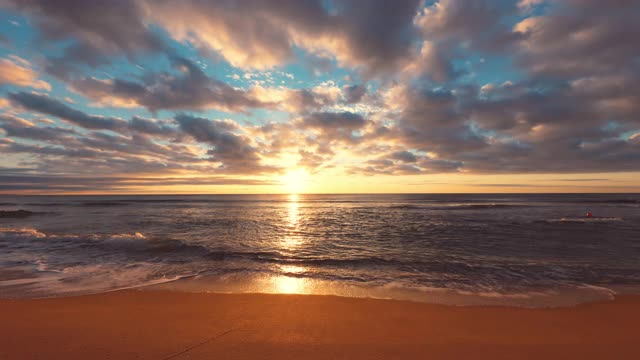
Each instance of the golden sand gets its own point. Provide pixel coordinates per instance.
(136, 324)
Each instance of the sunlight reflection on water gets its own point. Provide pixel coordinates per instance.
(291, 238)
(289, 285)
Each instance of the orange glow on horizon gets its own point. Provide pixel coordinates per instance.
(294, 181)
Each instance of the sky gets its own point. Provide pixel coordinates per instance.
(326, 96)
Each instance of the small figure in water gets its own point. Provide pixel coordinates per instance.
(589, 214)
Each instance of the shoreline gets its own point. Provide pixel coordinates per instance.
(240, 284)
(157, 324)
(532, 298)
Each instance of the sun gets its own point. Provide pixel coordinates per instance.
(294, 181)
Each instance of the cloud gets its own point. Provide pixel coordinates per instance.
(96, 31)
(138, 146)
(580, 38)
(191, 89)
(96, 153)
(259, 35)
(477, 23)
(403, 162)
(355, 93)
(434, 121)
(378, 36)
(234, 152)
(453, 28)
(47, 105)
(434, 62)
(19, 128)
(46, 151)
(297, 100)
(578, 180)
(528, 5)
(17, 71)
(19, 179)
(382, 167)
(334, 121)
(316, 138)
(409, 99)
(432, 165)
(153, 127)
(332, 127)
(404, 156)
(249, 34)
(515, 128)
(323, 97)
(314, 161)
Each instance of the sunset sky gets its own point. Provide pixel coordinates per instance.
(189, 96)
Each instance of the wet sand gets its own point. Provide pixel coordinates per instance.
(135, 324)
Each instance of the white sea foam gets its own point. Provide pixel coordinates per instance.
(587, 220)
(20, 233)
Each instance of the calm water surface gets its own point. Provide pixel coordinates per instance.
(528, 250)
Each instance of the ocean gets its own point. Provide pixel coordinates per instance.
(493, 249)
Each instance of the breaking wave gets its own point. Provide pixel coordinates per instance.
(585, 220)
(18, 214)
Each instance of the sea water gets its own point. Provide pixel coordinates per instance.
(512, 249)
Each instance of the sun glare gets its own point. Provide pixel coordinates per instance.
(289, 285)
(295, 181)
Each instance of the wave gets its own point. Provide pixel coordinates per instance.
(48, 204)
(585, 220)
(158, 200)
(365, 262)
(104, 203)
(610, 201)
(276, 257)
(88, 204)
(487, 206)
(137, 243)
(20, 234)
(129, 242)
(406, 207)
(16, 214)
(137, 246)
(460, 206)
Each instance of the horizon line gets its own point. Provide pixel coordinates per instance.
(337, 193)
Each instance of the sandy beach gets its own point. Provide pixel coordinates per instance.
(135, 324)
